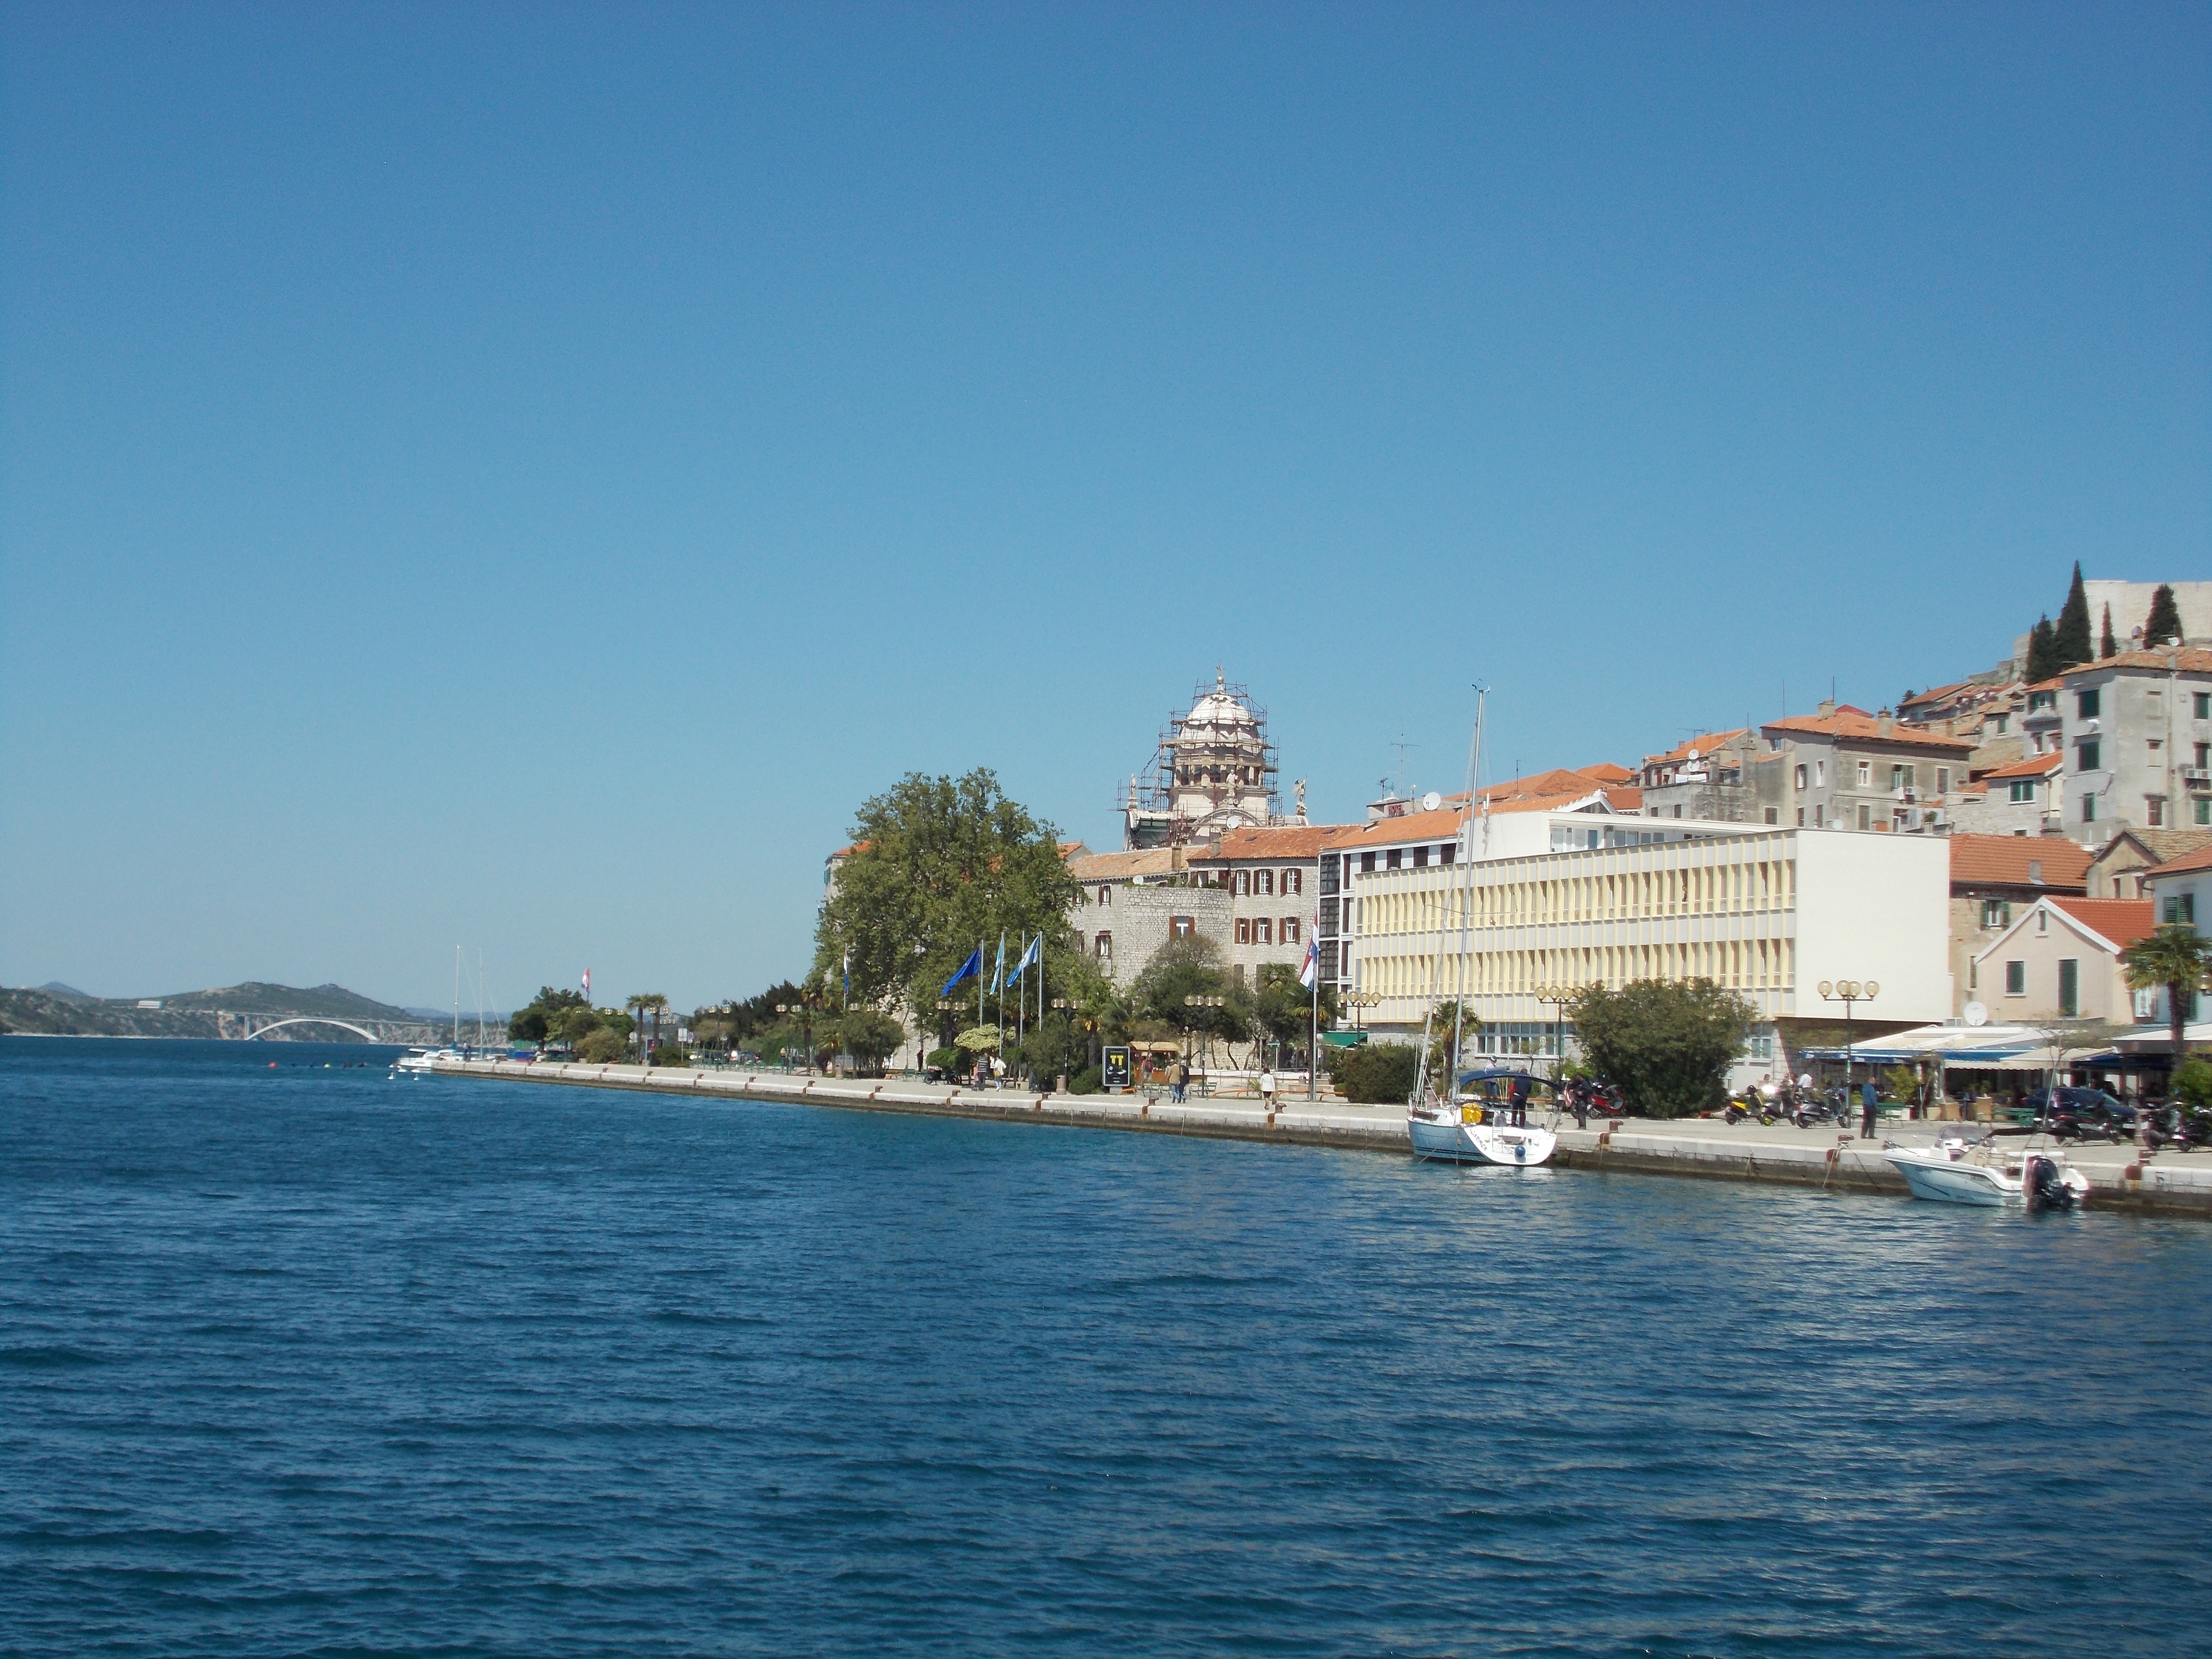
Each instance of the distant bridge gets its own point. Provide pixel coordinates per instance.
(250, 1027)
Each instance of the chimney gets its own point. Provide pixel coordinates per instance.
(1883, 722)
(1828, 709)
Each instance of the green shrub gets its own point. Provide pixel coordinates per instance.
(600, 1047)
(1667, 1044)
(1377, 1073)
(672, 1054)
(947, 1060)
(1085, 1082)
(2192, 1079)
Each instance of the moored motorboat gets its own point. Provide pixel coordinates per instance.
(1980, 1172)
(421, 1062)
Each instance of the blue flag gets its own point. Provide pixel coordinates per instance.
(971, 968)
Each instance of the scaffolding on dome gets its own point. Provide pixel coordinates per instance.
(1212, 769)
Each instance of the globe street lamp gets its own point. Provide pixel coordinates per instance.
(1847, 992)
(1558, 996)
(1195, 1001)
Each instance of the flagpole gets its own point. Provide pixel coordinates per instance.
(1313, 1039)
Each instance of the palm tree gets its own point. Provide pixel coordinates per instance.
(2173, 959)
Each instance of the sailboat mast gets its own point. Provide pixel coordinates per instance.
(1466, 868)
(457, 996)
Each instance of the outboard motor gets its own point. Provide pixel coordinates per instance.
(2046, 1185)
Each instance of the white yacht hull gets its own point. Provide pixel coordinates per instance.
(1508, 1145)
(1944, 1179)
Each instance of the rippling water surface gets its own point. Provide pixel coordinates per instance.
(297, 1360)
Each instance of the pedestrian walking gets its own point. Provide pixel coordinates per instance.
(1267, 1088)
(1179, 1080)
(1866, 1111)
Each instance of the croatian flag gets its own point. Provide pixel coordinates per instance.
(587, 985)
(1311, 966)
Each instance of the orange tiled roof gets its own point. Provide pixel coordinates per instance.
(1848, 722)
(1606, 772)
(2030, 766)
(2187, 864)
(1440, 825)
(1123, 867)
(2003, 860)
(2191, 659)
(1292, 842)
(1704, 745)
(2120, 921)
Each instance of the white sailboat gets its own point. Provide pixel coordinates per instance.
(1456, 1125)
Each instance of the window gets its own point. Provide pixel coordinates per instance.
(2023, 790)
(2181, 908)
(2087, 754)
(2041, 700)
(1328, 883)
(1263, 883)
(1263, 931)
(1294, 881)
(1942, 780)
(1866, 815)
(1390, 859)
(2085, 704)
(1800, 777)
(2043, 922)
(2204, 705)
(1678, 809)
(1243, 930)
(1801, 818)
(2203, 756)
(2155, 811)
(1366, 863)
(1447, 851)
(1774, 816)
(1820, 773)
(2069, 987)
(1817, 821)
(1866, 774)
(1182, 927)
(1421, 858)
(2088, 809)
(1996, 912)
(1289, 934)
(2016, 979)
(1900, 777)
(1105, 896)
(2202, 805)
(2002, 721)
(1104, 947)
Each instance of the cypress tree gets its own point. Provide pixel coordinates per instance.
(2164, 622)
(2108, 646)
(2074, 645)
(2042, 651)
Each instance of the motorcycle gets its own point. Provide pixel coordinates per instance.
(1587, 1100)
(1752, 1103)
(2185, 1131)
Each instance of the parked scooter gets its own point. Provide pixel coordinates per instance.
(2184, 1130)
(1587, 1100)
(1749, 1104)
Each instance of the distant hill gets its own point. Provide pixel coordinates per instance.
(55, 987)
(57, 1011)
(256, 997)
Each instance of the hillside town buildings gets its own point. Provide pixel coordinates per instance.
(1986, 848)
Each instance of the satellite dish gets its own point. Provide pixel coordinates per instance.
(1431, 801)
(1976, 1014)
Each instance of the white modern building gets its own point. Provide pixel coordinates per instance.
(1770, 913)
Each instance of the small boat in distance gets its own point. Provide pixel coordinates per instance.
(1484, 1116)
(421, 1062)
(1955, 1170)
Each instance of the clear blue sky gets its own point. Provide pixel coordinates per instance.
(521, 477)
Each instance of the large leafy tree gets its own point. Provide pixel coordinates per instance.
(2074, 645)
(1182, 969)
(2173, 959)
(1667, 1042)
(2164, 622)
(938, 864)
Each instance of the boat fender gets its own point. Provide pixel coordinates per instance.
(1472, 1114)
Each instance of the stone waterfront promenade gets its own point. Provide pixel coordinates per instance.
(2173, 1184)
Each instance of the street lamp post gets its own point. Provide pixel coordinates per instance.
(1197, 1002)
(1848, 992)
(1059, 1006)
(1558, 996)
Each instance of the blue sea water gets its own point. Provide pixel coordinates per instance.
(306, 1360)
